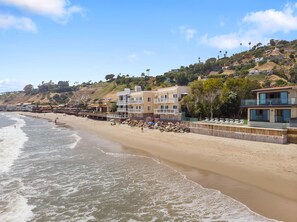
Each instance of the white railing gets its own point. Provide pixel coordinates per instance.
(166, 100)
(135, 110)
(122, 102)
(166, 111)
(131, 101)
(121, 110)
(116, 116)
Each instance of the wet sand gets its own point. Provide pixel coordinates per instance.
(263, 176)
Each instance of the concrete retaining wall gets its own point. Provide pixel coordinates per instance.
(292, 135)
(279, 136)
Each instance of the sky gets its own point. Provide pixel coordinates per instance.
(82, 40)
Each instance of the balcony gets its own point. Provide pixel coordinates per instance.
(131, 101)
(121, 110)
(269, 102)
(122, 102)
(135, 110)
(166, 111)
(166, 100)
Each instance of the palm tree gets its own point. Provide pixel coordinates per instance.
(240, 47)
(199, 59)
(250, 45)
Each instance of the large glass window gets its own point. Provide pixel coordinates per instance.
(282, 115)
(262, 98)
(261, 115)
(284, 97)
(273, 98)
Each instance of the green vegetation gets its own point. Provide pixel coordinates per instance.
(216, 97)
(217, 85)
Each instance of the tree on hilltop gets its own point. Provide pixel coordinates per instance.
(28, 89)
(109, 77)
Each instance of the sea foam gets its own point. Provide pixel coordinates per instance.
(12, 140)
(77, 138)
(17, 210)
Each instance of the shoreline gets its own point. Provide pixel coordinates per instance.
(262, 176)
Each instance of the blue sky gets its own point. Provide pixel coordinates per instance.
(75, 40)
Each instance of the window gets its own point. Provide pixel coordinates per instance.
(148, 108)
(282, 115)
(262, 97)
(261, 115)
(174, 107)
(284, 97)
(174, 95)
(149, 99)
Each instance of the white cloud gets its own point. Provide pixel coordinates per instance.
(256, 27)
(59, 10)
(188, 33)
(8, 85)
(222, 24)
(227, 41)
(132, 57)
(21, 23)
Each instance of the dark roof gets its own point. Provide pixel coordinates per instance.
(275, 88)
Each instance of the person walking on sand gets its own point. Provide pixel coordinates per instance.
(142, 129)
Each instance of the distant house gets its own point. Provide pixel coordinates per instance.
(258, 59)
(122, 102)
(254, 71)
(26, 107)
(167, 103)
(273, 107)
(141, 104)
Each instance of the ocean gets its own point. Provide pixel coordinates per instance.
(50, 173)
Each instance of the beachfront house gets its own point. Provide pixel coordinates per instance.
(141, 104)
(273, 107)
(167, 103)
(122, 102)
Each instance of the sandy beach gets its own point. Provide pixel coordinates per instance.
(263, 176)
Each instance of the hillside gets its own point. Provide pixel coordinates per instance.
(271, 65)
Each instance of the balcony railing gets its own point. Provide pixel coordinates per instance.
(282, 119)
(122, 102)
(269, 102)
(166, 100)
(116, 116)
(166, 111)
(259, 118)
(121, 110)
(135, 110)
(131, 101)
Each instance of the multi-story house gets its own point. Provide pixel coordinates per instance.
(273, 108)
(122, 102)
(167, 106)
(141, 104)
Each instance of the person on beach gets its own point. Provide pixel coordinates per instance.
(142, 129)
